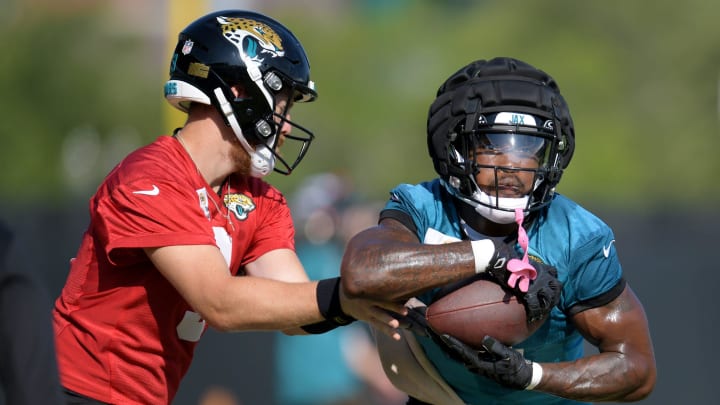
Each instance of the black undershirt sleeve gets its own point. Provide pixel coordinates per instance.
(600, 300)
(400, 216)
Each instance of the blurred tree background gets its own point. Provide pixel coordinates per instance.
(82, 85)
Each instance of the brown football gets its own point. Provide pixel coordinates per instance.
(481, 308)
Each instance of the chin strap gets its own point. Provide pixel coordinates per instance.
(262, 159)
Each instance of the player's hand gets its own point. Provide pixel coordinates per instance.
(544, 292)
(497, 362)
(416, 321)
(383, 316)
(497, 267)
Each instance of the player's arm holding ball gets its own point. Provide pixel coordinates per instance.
(388, 262)
(618, 329)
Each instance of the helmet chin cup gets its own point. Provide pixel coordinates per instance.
(505, 211)
(498, 210)
(262, 161)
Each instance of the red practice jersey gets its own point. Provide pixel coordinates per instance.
(123, 333)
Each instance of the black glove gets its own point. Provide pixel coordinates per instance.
(497, 267)
(498, 362)
(544, 291)
(416, 321)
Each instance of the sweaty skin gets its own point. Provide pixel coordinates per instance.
(623, 370)
(387, 262)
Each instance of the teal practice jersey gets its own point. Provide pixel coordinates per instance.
(564, 235)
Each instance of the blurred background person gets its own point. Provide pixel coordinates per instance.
(28, 369)
(217, 395)
(340, 367)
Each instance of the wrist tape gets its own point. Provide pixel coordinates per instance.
(483, 250)
(536, 376)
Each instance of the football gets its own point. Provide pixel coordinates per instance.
(478, 308)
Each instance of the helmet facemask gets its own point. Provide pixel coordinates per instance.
(293, 144)
(507, 160)
(257, 123)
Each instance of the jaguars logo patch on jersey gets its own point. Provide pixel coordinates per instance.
(239, 204)
(535, 258)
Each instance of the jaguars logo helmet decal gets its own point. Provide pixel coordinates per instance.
(237, 29)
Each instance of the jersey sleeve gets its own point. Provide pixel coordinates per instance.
(143, 214)
(398, 208)
(596, 275)
(427, 205)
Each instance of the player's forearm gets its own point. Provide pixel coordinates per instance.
(607, 376)
(396, 270)
(247, 303)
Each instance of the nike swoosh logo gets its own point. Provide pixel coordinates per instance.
(153, 191)
(606, 250)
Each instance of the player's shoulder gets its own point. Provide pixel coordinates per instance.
(161, 158)
(565, 215)
(568, 208)
(156, 169)
(428, 190)
(260, 189)
(164, 151)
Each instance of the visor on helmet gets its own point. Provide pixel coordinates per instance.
(513, 144)
(518, 138)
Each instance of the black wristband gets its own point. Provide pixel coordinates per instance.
(319, 327)
(328, 299)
